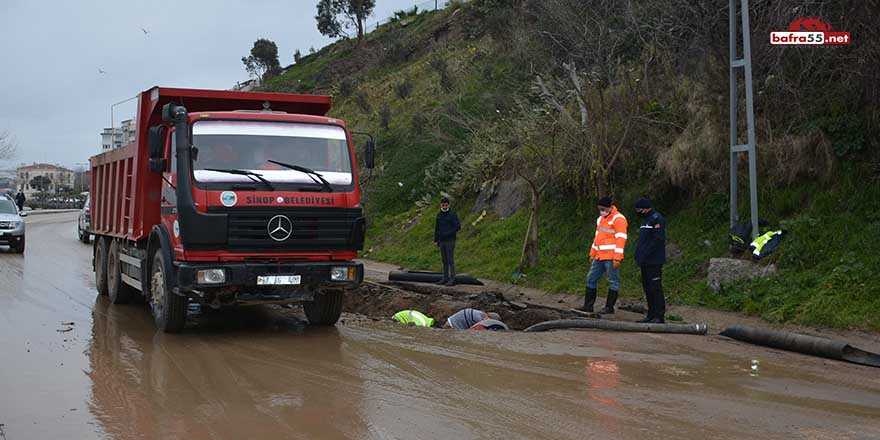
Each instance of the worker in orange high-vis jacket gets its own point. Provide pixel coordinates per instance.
(606, 253)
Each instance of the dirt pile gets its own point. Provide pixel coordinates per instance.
(384, 300)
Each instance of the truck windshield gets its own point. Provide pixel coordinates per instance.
(249, 145)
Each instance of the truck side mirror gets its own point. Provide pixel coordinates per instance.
(370, 154)
(158, 164)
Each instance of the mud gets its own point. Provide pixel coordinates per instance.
(261, 372)
(382, 300)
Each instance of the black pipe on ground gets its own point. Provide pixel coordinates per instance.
(821, 347)
(430, 277)
(602, 324)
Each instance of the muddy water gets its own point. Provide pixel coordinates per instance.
(261, 373)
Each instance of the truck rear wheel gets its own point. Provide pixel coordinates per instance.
(325, 308)
(120, 293)
(101, 265)
(169, 309)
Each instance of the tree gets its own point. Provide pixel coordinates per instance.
(337, 17)
(297, 56)
(7, 146)
(40, 183)
(263, 61)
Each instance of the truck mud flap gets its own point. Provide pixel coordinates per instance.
(602, 324)
(430, 277)
(811, 345)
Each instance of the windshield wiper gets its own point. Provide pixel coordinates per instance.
(310, 172)
(252, 175)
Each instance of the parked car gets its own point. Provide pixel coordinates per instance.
(11, 225)
(85, 222)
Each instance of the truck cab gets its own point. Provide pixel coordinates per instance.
(245, 198)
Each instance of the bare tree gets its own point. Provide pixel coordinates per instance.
(8, 147)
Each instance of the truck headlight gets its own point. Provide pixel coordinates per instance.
(343, 273)
(211, 276)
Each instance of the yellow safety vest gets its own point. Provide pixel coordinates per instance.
(414, 317)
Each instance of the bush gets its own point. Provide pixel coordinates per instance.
(362, 99)
(419, 122)
(404, 88)
(346, 87)
(385, 116)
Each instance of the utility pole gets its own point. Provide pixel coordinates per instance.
(736, 148)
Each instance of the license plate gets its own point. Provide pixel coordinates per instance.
(279, 280)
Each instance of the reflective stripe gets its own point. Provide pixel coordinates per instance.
(620, 235)
(646, 227)
(595, 247)
(419, 320)
(607, 247)
(618, 251)
(617, 216)
(604, 229)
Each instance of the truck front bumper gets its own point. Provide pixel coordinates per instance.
(241, 278)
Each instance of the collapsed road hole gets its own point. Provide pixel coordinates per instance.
(377, 300)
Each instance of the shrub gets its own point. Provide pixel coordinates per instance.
(362, 99)
(385, 116)
(346, 88)
(404, 88)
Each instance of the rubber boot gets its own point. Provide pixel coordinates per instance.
(442, 281)
(645, 320)
(589, 300)
(609, 303)
(451, 280)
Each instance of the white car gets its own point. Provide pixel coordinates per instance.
(85, 222)
(11, 225)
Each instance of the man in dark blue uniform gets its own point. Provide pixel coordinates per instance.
(650, 256)
(446, 227)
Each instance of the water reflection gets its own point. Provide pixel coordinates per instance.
(258, 376)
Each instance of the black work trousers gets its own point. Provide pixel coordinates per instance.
(653, 284)
(447, 253)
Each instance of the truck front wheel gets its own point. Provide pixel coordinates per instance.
(101, 265)
(169, 310)
(325, 308)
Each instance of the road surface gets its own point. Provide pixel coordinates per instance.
(73, 366)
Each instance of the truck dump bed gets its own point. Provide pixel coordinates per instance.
(126, 195)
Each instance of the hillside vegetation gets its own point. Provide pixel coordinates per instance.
(565, 100)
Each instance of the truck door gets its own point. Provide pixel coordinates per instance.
(169, 194)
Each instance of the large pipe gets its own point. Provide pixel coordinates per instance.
(602, 324)
(430, 277)
(827, 348)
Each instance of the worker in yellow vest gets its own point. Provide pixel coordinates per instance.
(414, 317)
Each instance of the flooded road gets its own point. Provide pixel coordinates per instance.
(73, 366)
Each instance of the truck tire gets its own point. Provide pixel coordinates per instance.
(101, 265)
(325, 308)
(120, 293)
(168, 308)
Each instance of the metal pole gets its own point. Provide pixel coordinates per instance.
(734, 217)
(750, 118)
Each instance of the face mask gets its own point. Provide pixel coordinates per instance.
(604, 213)
(445, 209)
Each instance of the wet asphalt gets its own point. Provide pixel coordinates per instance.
(74, 366)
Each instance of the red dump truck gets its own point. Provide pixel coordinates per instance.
(229, 198)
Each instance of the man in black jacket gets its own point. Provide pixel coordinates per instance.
(650, 256)
(19, 200)
(445, 228)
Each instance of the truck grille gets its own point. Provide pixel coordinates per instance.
(6, 225)
(311, 229)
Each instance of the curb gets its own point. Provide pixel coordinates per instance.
(50, 211)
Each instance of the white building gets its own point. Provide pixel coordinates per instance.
(53, 178)
(122, 136)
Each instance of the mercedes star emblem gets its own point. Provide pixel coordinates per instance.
(280, 228)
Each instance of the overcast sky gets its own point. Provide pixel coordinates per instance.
(53, 99)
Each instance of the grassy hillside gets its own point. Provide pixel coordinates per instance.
(435, 89)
